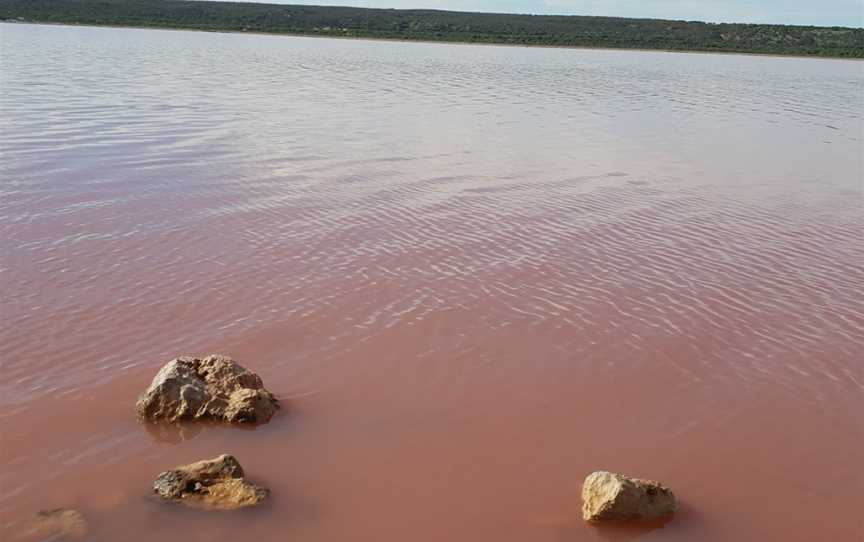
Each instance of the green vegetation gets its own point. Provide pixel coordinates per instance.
(432, 25)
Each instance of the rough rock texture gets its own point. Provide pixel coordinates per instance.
(214, 387)
(60, 524)
(609, 496)
(212, 483)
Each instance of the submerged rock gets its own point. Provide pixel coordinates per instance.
(60, 524)
(610, 496)
(215, 387)
(211, 483)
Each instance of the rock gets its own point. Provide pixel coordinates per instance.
(212, 483)
(60, 524)
(609, 496)
(214, 387)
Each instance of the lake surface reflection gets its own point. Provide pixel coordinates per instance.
(474, 274)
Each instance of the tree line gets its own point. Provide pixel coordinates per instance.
(434, 25)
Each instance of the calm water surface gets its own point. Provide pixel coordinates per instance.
(474, 274)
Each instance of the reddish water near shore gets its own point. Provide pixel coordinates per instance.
(473, 274)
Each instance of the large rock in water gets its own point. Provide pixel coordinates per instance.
(609, 496)
(212, 483)
(214, 387)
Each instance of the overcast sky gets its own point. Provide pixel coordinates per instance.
(812, 12)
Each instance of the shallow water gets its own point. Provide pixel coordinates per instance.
(474, 274)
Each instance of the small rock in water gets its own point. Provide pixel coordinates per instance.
(212, 483)
(610, 496)
(60, 524)
(215, 387)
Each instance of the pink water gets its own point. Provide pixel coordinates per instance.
(473, 274)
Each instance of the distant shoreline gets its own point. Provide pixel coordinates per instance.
(431, 41)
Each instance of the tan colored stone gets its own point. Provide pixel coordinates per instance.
(610, 496)
(215, 387)
(212, 483)
(60, 524)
